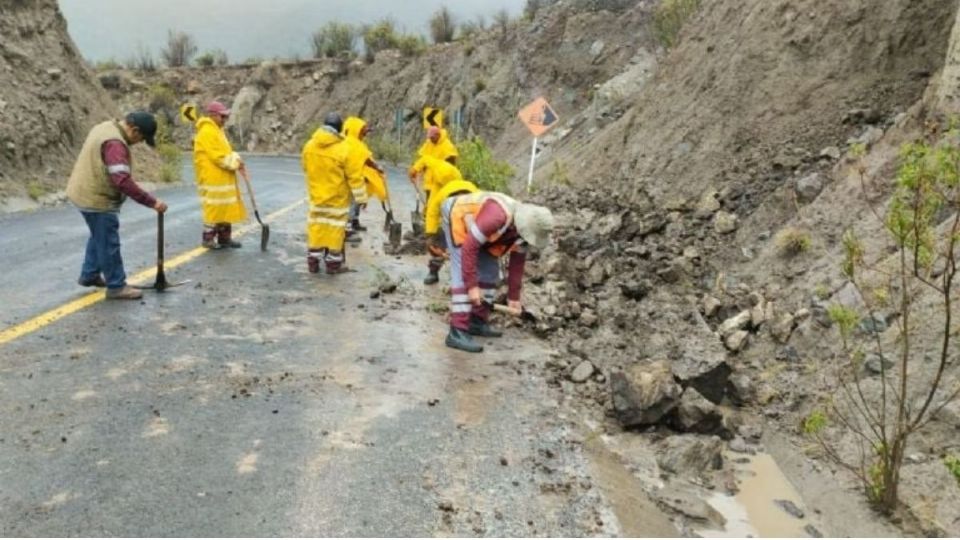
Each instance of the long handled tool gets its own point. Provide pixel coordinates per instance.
(416, 217)
(391, 226)
(524, 315)
(161, 284)
(264, 228)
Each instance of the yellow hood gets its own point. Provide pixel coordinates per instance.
(353, 126)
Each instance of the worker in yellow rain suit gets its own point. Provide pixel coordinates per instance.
(436, 243)
(438, 146)
(216, 166)
(355, 131)
(332, 177)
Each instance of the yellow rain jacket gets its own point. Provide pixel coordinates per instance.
(443, 149)
(216, 166)
(436, 173)
(435, 203)
(359, 151)
(331, 177)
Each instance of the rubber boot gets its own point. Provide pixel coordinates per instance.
(432, 278)
(223, 237)
(458, 339)
(480, 327)
(210, 239)
(355, 225)
(334, 262)
(354, 237)
(313, 262)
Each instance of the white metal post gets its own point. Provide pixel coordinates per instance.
(533, 158)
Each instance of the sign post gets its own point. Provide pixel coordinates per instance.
(539, 117)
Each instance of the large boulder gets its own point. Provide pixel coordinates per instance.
(644, 393)
(690, 455)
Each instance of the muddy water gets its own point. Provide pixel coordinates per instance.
(753, 511)
(637, 515)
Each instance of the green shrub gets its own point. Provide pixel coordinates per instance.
(107, 65)
(179, 50)
(479, 85)
(478, 165)
(411, 45)
(669, 18)
(793, 241)
(386, 148)
(380, 37)
(845, 318)
(333, 39)
(162, 97)
(142, 61)
(170, 155)
(35, 190)
(953, 465)
(442, 26)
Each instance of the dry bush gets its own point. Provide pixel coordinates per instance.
(442, 26)
(179, 50)
(793, 241)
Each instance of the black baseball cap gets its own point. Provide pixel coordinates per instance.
(145, 123)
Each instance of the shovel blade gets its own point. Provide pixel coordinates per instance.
(395, 234)
(264, 237)
(416, 223)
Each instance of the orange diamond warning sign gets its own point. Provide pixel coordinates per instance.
(539, 117)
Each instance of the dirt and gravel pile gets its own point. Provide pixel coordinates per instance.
(49, 98)
(668, 290)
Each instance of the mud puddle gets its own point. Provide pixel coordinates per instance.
(766, 505)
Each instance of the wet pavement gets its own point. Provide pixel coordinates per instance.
(260, 400)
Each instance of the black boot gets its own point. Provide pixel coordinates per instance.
(479, 327)
(458, 339)
(431, 279)
(355, 225)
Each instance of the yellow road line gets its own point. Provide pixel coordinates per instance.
(54, 315)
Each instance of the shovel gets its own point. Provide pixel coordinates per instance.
(391, 226)
(161, 284)
(264, 229)
(416, 217)
(524, 315)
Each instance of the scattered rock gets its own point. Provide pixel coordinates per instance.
(790, 507)
(55, 73)
(877, 364)
(737, 340)
(740, 446)
(808, 188)
(831, 152)
(741, 390)
(636, 290)
(644, 393)
(737, 322)
(812, 531)
(583, 372)
(758, 315)
(194, 87)
(670, 273)
(690, 454)
(725, 222)
(705, 369)
(783, 328)
(709, 205)
(873, 325)
(710, 306)
(692, 506)
(696, 414)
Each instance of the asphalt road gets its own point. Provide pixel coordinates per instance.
(260, 400)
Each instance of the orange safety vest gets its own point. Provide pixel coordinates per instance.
(464, 214)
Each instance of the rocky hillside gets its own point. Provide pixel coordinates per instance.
(744, 134)
(562, 55)
(49, 98)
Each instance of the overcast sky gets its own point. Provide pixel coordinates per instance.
(105, 29)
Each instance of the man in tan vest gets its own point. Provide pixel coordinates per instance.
(101, 180)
